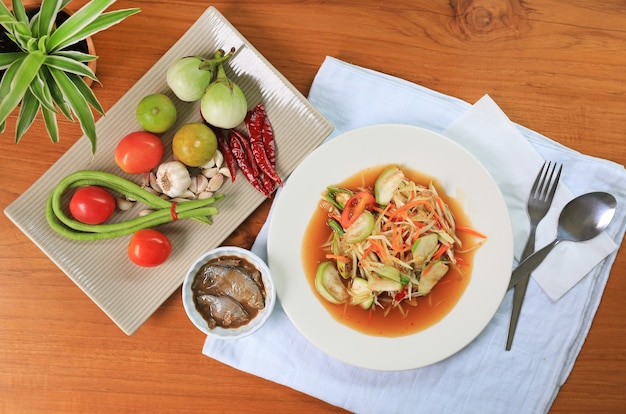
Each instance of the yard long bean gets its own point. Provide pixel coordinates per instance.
(164, 211)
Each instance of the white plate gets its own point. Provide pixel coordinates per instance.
(462, 177)
(129, 294)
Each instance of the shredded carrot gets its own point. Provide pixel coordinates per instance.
(378, 248)
(366, 252)
(338, 257)
(442, 249)
(402, 211)
(472, 231)
(397, 243)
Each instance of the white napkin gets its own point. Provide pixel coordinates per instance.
(482, 377)
(513, 162)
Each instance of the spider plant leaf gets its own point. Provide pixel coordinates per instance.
(7, 78)
(28, 110)
(48, 12)
(77, 22)
(5, 12)
(25, 71)
(40, 90)
(20, 34)
(78, 103)
(50, 119)
(18, 10)
(69, 65)
(86, 91)
(76, 55)
(103, 22)
(9, 57)
(3, 126)
(57, 95)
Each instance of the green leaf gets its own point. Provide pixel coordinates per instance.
(76, 55)
(78, 103)
(77, 22)
(25, 71)
(69, 65)
(103, 22)
(41, 91)
(4, 11)
(47, 16)
(21, 34)
(19, 11)
(87, 93)
(7, 58)
(56, 94)
(3, 126)
(7, 78)
(50, 118)
(28, 110)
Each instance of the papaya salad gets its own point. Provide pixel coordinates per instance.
(389, 244)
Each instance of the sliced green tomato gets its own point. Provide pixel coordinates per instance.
(381, 284)
(360, 229)
(361, 293)
(387, 182)
(328, 283)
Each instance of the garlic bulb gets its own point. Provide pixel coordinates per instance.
(173, 178)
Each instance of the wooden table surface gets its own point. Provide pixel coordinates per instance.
(556, 67)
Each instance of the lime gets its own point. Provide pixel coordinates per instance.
(156, 113)
(194, 144)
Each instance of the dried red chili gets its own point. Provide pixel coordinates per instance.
(229, 158)
(239, 153)
(256, 121)
(268, 136)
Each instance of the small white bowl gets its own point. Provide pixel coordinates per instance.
(229, 333)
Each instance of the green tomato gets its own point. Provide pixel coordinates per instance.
(156, 113)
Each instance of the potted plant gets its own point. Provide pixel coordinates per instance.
(43, 72)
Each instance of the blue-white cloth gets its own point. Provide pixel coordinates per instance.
(482, 377)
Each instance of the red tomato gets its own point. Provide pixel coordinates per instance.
(139, 152)
(149, 248)
(356, 205)
(92, 205)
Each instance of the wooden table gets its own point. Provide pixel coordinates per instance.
(556, 67)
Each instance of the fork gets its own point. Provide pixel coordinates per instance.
(539, 201)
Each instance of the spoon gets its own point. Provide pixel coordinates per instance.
(583, 218)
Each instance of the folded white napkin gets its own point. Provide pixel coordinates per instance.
(514, 163)
(482, 377)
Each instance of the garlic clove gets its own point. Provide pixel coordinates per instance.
(210, 172)
(225, 172)
(209, 164)
(205, 194)
(124, 204)
(187, 195)
(218, 158)
(193, 185)
(145, 178)
(151, 191)
(145, 212)
(154, 184)
(203, 182)
(215, 182)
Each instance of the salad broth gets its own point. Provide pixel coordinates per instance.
(429, 309)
